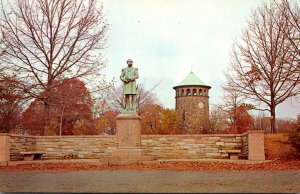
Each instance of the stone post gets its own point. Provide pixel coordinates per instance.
(4, 148)
(256, 145)
(128, 136)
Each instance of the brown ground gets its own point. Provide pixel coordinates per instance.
(177, 166)
(278, 147)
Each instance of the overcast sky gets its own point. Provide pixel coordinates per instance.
(167, 38)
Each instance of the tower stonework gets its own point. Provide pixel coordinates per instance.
(192, 104)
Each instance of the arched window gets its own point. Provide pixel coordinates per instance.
(200, 92)
(188, 92)
(194, 92)
(204, 92)
(177, 92)
(182, 92)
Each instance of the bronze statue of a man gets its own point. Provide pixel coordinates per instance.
(128, 76)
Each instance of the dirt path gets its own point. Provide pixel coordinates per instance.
(150, 181)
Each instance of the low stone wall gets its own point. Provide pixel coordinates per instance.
(158, 146)
(21, 143)
(245, 149)
(75, 146)
(191, 146)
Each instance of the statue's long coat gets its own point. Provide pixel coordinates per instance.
(132, 74)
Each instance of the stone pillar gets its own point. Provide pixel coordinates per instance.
(128, 136)
(256, 145)
(4, 148)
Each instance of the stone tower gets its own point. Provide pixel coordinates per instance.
(192, 104)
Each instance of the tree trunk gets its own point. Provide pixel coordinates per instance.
(48, 100)
(61, 121)
(272, 119)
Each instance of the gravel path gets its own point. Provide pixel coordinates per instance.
(150, 181)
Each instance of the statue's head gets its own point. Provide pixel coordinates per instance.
(129, 62)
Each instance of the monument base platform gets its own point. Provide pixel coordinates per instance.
(120, 160)
(128, 152)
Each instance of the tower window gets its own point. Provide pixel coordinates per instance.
(182, 92)
(200, 92)
(194, 92)
(188, 92)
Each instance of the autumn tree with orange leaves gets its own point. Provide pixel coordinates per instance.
(151, 118)
(49, 42)
(157, 120)
(240, 120)
(71, 111)
(11, 101)
(107, 123)
(170, 122)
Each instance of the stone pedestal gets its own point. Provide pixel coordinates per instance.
(256, 145)
(128, 137)
(4, 149)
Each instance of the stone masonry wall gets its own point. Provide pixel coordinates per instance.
(20, 143)
(159, 146)
(190, 146)
(76, 146)
(193, 118)
(245, 150)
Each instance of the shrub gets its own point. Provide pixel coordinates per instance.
(294, 137)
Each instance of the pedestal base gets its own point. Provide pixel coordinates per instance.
(128, 131)
(128, 152)
(128, 138)
(128, 155)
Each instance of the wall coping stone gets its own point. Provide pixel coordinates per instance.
(57, 136)
(145, 136)
(77, 136)
(5, 134)
(196, 135)
(252, 131)
(179, 135)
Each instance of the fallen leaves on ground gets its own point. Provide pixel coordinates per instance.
(177, 166)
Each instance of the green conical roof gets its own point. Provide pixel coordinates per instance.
(191, 79)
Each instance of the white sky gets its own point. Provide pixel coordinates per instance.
(165, 38)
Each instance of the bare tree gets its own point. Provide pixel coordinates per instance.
(2, 49)
(145, 96)
(232, 99)
(217, 120)
(48, 40)
(291, 11)
(264, 65)
(261, 122)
